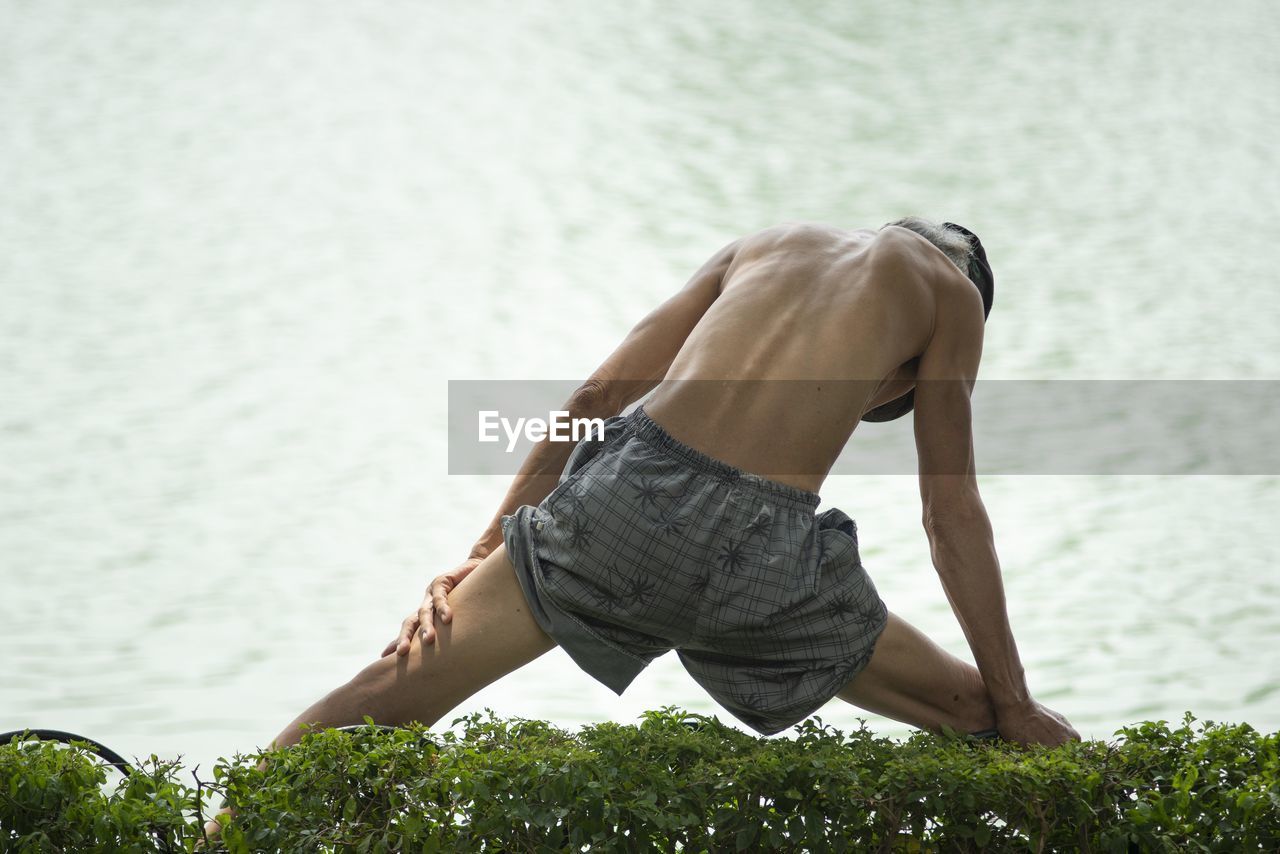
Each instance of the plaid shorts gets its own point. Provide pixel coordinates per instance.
(647, 545)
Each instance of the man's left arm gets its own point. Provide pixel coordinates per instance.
(631, 371)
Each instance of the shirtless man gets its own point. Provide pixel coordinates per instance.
(760, 367)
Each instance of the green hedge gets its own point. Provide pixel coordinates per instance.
(675, 781)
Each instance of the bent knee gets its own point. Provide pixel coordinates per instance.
(971, 704)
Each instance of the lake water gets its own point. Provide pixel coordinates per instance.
(244, 247)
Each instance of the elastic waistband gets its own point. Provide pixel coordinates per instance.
(653, 433)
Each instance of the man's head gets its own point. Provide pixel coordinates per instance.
(965, 250)
(961, 246)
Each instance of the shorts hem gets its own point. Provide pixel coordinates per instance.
(843, 677)
(599, 657)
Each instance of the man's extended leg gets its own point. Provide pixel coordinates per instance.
(913, 680)
(491, 634)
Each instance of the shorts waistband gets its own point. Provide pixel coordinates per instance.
(653, 433)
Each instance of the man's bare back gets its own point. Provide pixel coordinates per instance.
(812, 326)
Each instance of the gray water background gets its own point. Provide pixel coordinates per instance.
(244, 247)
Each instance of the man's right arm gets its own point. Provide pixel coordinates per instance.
(959, 530)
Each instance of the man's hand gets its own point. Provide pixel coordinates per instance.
(1032, 723)
(435, 600)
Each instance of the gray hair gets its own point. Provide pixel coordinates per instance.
(952, 243)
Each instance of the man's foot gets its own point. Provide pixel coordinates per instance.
(212, 831)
